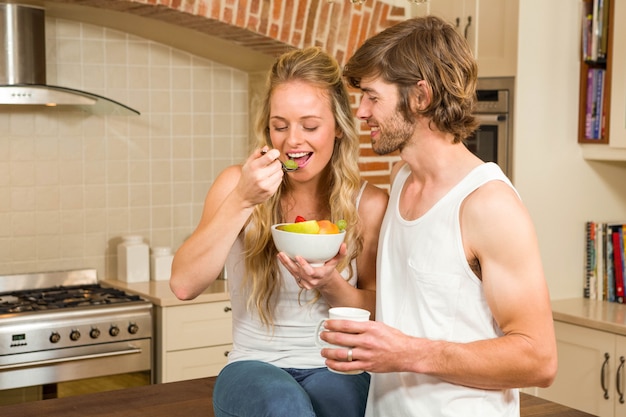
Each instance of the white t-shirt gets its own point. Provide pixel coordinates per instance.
(426, 288)
(291, 342)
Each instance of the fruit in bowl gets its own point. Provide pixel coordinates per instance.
(316, 241)
(313, 227)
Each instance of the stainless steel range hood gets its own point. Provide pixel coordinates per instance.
(23, 66)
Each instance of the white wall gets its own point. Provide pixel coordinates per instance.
(560, 189)
(71, 183)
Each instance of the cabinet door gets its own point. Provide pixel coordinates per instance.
(496, 39)
(582, 362)
(195, 363)
(461, 13)
(197, 325)
(450, 10)
(620, 376)
(490, 27)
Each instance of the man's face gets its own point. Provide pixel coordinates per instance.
(389, 131)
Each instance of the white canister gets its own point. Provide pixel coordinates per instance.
(161, 263)
(133, 260)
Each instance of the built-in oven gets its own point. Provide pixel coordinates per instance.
(493, 141)
(64, 334)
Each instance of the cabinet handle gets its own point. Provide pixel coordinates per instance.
(618, 382)
(227, 309)
(602, 377)
(469, 23)
(458, 22)
(226, 353)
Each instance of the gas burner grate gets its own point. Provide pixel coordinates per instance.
(62, 297)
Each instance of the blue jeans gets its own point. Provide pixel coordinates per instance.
(258, 389)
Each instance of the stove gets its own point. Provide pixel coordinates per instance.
(48, 299)
(64, 326)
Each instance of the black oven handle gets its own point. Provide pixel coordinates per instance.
(491, 119)
(130, 351)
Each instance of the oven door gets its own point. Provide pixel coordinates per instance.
(490, 142)
(71, 371)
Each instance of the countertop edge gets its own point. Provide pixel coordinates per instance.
(159, 293)
(193, 398)
(593, 314)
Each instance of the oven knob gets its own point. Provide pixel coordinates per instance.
(114, 330)
(74, 335)
(94, 333)
(133, 328)
(55, 337)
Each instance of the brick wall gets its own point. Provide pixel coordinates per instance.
(340, 27)
(274, 26)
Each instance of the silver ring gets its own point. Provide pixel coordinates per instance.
(349, 355)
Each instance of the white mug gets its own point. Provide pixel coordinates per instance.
(340, 313)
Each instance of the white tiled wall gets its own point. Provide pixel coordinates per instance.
(72, 183)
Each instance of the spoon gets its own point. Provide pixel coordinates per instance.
(288, 166)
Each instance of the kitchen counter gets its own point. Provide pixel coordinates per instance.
(191, 398)
(159, 293)
(598, 315)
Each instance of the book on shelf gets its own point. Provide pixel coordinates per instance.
(604, 30)
(615, 235)
(609, 266)
(598, 126)
(595, 19)
(586, 31)
(618, 261)
(590, 264)
(594, 31)
(589, 110)
(595, 113)
(605, 264)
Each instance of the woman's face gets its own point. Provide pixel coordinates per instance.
(302, 126)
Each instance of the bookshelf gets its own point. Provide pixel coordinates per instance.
(594, 107)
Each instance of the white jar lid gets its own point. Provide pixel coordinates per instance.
(161, 250)
(133, 238)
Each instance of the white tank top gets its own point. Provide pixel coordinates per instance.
(291, 342)
(426, 288)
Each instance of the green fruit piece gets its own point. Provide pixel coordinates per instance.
(309, 227)
(341, 224)
(291, 164)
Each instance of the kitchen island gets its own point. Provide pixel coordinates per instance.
(191, 398)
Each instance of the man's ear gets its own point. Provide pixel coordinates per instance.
(421, 96)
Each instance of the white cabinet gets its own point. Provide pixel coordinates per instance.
(194, 340)
(490, 26)
(591, 374)
(462, 13)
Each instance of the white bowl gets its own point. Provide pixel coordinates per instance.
(314, 248)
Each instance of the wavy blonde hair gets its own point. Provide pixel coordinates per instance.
(313, 66)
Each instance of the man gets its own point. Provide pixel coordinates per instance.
(463, 311)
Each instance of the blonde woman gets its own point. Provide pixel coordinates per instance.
(275, 369)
